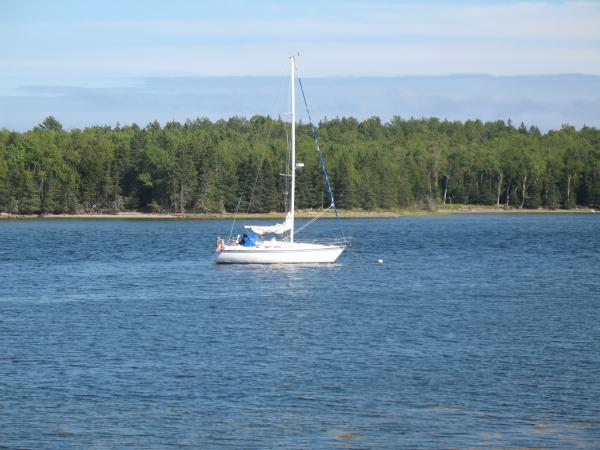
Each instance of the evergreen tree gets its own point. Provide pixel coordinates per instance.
(204, 166)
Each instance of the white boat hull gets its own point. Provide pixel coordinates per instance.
(279, 253)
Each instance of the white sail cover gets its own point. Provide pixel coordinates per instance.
(279, 228)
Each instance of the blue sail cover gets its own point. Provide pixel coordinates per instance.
(249, 240)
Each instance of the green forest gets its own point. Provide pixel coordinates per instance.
(204, 166)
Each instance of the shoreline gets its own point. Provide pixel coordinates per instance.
(304, 214)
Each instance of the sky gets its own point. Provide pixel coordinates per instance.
(90, 63)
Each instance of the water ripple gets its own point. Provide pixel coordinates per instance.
(477, 331)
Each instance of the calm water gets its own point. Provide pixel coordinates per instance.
(476, 331)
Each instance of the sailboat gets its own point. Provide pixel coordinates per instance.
(282, 248)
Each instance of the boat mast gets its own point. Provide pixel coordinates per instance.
(293, 95)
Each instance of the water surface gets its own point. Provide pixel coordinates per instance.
(476, 331)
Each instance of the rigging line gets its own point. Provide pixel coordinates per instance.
(262, 158)
(314, 219)
(314, 136)
(258, 173)
(234, 218)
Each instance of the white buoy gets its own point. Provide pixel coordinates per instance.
(380, 261)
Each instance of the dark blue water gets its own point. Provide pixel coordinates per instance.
(476, 331)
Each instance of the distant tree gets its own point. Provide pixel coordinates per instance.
(50, 123)
(207, 166)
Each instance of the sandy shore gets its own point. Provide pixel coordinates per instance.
(354, 213)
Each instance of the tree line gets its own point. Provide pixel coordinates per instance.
(204, 166)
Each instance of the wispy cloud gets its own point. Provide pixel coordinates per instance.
(356, 38)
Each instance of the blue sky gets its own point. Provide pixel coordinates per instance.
(93, 62)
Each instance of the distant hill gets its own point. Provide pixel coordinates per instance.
(546, 101)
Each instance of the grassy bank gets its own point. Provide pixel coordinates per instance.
(354, 213)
